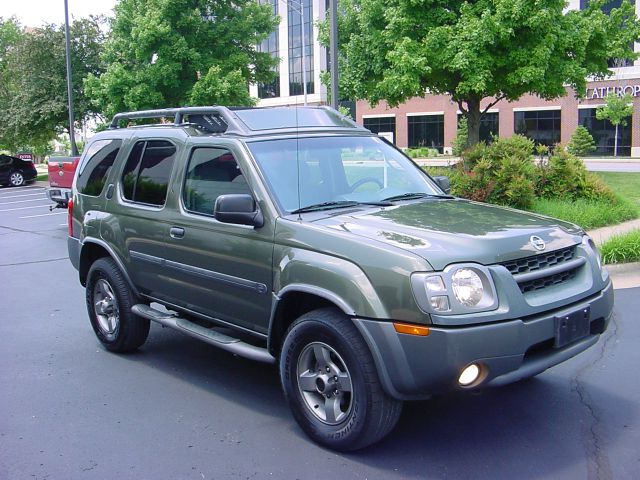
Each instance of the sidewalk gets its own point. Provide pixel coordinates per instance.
(625, 275)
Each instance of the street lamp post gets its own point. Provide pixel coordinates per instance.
(72, 137)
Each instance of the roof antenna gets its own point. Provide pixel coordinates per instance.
(298, 159)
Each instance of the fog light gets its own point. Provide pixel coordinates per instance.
(469, 375)
(440, 303)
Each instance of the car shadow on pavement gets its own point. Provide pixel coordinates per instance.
(532, 429)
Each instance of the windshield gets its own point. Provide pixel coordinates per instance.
(338, 171)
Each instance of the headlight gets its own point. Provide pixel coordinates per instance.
(467, 287)
(458, 289)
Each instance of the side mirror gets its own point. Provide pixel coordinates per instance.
(443, 183)
(238, 208)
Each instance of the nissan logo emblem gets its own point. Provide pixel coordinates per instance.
(537, 243)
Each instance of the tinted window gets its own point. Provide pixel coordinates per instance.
(95, 166)
(146, 175)
(211, 172)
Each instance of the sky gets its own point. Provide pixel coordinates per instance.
(33, 13)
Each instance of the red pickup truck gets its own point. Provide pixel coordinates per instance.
(61, 172)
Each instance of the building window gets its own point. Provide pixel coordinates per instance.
(541, 126)
(295, 45)
(270, 45)
(381, 125)
(603, 133)
(489, 126)
(426, 131)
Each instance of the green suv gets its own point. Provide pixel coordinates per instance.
(296, 237)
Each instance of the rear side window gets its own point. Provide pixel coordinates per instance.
(211, 172)
(96, 165)
(146, 175)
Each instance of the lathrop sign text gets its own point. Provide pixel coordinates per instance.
(602, 92)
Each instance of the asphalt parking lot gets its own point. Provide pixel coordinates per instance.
(181, 409)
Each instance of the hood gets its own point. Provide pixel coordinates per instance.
(453, 231)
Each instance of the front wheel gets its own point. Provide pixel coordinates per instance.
(109, 301)
(331, 383)
(16, 179)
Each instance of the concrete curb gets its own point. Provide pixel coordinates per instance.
(625, 275)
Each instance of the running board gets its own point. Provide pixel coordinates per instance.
(217, 339)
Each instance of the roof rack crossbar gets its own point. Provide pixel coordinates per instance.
(233, 124)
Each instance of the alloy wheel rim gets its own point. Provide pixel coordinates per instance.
(106, 308)
(17, 179)
(324, 383)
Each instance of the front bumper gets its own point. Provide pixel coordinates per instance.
(413, 367)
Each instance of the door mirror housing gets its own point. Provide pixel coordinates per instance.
(444, 183)
(238, 208)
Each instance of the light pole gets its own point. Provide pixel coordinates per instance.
(333, 48)
(72, 136)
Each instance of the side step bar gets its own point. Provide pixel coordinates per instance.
(217, 339)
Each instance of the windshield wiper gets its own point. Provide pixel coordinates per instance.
(339, 204)
(414, 195)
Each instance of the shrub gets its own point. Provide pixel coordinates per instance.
(461, 141)
(565, 176)
(581, 142)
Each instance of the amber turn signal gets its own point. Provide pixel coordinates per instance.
(411, 329)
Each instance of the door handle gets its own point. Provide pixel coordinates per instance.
(176, 232)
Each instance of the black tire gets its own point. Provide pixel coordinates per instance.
(16, 178)
(109, 301)
(348, 420)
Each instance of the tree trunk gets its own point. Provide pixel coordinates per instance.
(615, 143)
(473, 122)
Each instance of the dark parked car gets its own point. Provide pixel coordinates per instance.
(16, 172)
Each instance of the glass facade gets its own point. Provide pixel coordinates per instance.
(541, 126)
(381, 124)
(270, 45)
(603, 133)
(426, 131)
(489, 126)
(296, 45)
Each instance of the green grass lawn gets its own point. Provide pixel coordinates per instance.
(44, 177)
(622, 248)
(625, 184)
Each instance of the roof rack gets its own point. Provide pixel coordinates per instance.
(213, 119)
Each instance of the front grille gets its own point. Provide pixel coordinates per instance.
(540, 262)
(545, 282)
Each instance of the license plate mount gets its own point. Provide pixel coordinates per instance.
(572, 326)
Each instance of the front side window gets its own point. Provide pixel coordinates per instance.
(311, 171)
(96, 165)
(211, 172)
(146, 174)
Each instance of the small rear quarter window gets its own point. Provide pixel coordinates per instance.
(95, 166)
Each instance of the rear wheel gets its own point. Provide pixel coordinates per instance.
(331, 383)
(109, 302)
(16, 179)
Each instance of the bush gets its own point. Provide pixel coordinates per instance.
(565, 176)
(421, 152)
(502, 173)
(461, 141)
(581, 142)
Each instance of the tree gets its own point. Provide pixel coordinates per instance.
(461, 142)
(163, 54)
(616, 109)
(478, 52)
(34, 94)
(581, 142)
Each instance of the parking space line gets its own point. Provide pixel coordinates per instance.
(45, 215)
(25, 195)
(21, 201)
(25, 208)
(22, 189)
